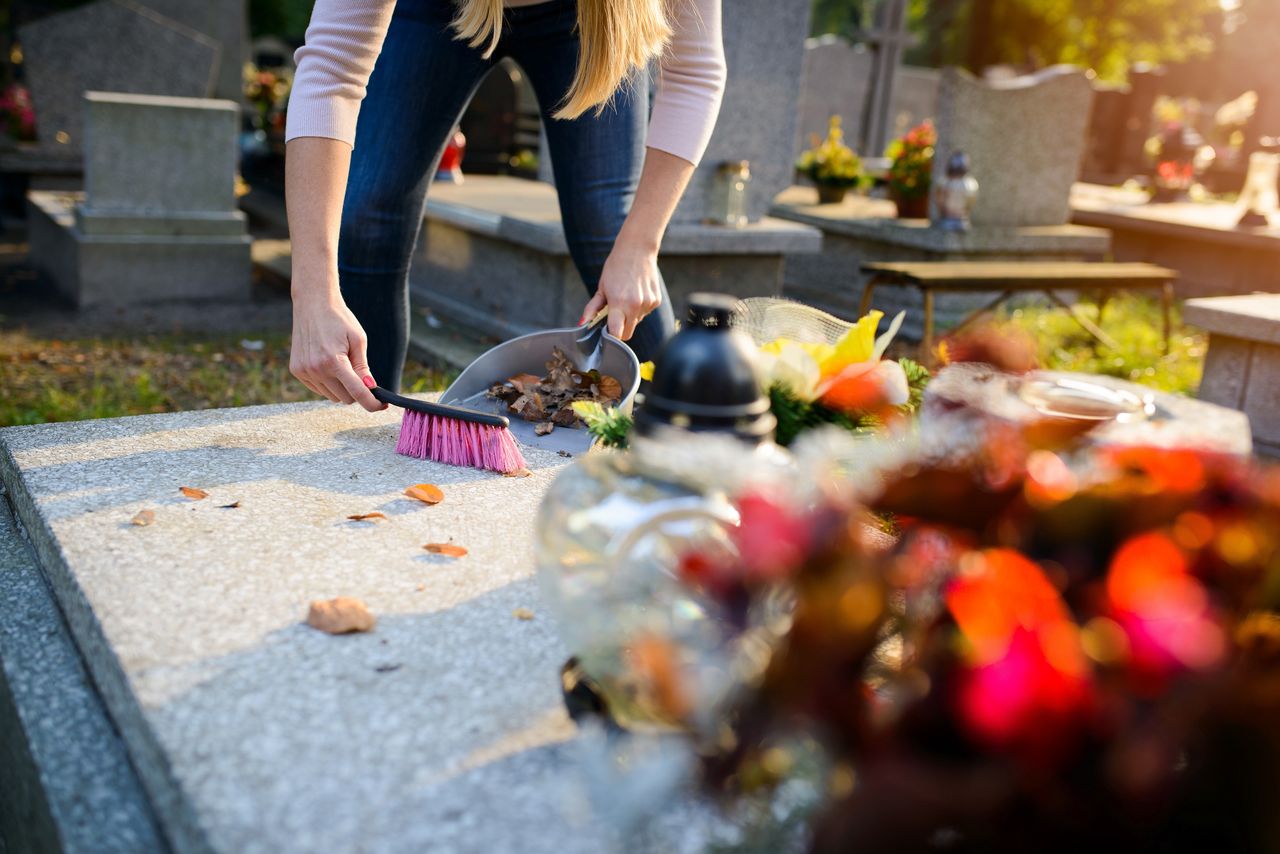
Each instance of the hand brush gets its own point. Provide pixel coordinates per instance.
(454, 435)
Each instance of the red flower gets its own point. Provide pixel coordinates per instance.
(1026, 682)
(1163, 609)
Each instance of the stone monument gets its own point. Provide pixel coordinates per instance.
(764, 50)
(109, 45)
(158, 218)
(1025, 137)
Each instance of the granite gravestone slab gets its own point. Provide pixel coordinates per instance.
(443, 729)
(109, 45)
(223, 21)
(764, 50)
(1025, 137)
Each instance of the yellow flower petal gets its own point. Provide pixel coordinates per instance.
(646, 371)
(857, 345)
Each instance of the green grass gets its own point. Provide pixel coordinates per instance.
(1135, 324)
(66, 380)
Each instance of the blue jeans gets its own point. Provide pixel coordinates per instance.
(422, 82)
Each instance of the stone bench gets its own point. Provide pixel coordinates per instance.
(862, 230)
(441, 730)
(1242, 367)
(493, 257)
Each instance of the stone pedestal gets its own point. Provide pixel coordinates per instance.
(158, 217)
(1242, 367)
(860, 230)
(493, 257)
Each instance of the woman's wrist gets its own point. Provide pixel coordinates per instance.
(639, 239)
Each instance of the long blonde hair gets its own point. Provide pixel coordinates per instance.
(618, 37)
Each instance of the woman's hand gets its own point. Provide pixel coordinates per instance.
(629, 287)
(328, 351)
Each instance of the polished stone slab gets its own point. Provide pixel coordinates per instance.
(441, 730)
(65, 779)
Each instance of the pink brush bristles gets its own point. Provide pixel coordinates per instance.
(458, 443)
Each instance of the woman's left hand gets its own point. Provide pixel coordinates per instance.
(629, 287)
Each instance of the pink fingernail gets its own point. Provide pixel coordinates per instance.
(368, 382)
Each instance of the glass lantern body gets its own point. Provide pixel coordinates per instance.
(955, 198)
(612, 533)
(1259, 197)
(729, 198)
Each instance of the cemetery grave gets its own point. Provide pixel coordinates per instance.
(825, 589)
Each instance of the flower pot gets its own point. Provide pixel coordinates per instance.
(831, 194)
(913, 207)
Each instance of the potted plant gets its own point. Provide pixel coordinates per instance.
(831, 165)
(17, 117)
(911, 170)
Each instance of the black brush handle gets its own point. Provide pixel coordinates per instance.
(443, 410)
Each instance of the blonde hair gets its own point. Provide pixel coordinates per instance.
(617, 37)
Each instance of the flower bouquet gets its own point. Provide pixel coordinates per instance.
(816, 369)
(911, 170)
(17, 114)
(832, 166)
(1067, 648)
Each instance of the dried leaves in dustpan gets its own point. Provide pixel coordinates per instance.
(548, 400)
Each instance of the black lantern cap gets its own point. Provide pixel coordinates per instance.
(704, 379)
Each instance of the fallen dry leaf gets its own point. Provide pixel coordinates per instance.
(232, 506)
(610, 388)
(340, 616)
(364, 517)
(517, 473)
(544, 428)
(427, 493)
(522, 614)
(193, 493)
(446, 549)
(421, 587)
(143, 518)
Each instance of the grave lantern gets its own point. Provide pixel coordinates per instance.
(450, 168)
(1259, 196)
(615, 531)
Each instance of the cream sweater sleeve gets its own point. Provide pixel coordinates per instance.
(343, 41)
(345, 37)
(691, 78)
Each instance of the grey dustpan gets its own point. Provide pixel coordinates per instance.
(588, 347)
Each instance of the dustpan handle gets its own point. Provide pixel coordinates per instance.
(441, 410)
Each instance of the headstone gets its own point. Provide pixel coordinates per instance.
(764, 50)
(223, 21)
(888, 38)
(836, 81)
(108, 45)
(158, 219)
(1242, 367)
(1025, 138)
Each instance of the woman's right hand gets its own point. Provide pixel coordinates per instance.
(328, 349)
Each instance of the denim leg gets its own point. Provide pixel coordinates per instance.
(421, 83)
(597, 158)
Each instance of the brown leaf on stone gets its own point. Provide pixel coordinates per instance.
(427, 493)
(365, 517)
(340, 616)
(610, 389)
(446, 549)
(193, 493)
(517, 473)
(522, 614)
(544, 428)
(143, 518)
